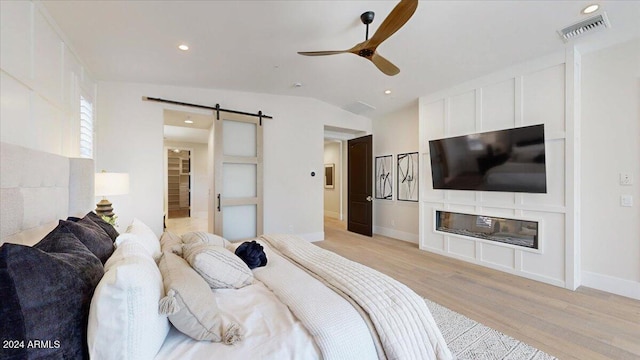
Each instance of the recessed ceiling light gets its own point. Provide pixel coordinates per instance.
(188, 121)
(183, 47)
(591, 8)
(297, 84)
(387, 91)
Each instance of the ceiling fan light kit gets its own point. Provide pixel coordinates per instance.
(399, 16)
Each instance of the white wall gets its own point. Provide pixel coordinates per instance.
(332, 196)
(199, 175)
(392, 135)
(131, 137)
(590, 105)
(532, 93)
(610, 139)
(41, 81)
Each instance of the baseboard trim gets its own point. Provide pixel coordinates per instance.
(396, 234)
(312, 237)
(614, 285)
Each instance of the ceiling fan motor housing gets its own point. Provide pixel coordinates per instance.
(367, 53)
(367, 17)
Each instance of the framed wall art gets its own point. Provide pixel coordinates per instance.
(407, 176)
(384, 177)
(329, 176)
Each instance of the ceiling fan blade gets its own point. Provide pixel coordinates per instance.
(393, 22)
(321, 53)
(384, 65)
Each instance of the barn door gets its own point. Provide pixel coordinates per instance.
(238, 176)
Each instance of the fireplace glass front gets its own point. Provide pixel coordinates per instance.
(509, 231)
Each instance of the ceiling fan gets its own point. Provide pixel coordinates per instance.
(367, 49)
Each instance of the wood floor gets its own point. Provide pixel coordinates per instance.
(583, 324)
(183, 225)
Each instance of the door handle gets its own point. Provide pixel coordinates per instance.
(369, 198)
(218, 202)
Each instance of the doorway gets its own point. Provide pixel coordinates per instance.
(178, 183)
(333, 179)
(187, 169)
(338, 137)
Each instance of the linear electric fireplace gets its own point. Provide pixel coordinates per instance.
(508, 231)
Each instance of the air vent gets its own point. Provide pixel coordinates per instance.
(599, 22)
(358, 107)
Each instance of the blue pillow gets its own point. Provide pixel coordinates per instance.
(46, 292)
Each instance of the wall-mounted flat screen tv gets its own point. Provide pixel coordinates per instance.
(511, 160)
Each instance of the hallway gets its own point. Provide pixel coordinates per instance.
(183, 225)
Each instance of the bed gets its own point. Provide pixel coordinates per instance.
(69, 291)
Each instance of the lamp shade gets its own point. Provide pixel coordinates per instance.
(107, 184)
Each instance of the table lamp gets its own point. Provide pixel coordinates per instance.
(107, 184)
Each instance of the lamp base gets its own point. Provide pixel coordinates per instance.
(104, 208)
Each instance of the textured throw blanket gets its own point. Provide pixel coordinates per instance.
(402, 321)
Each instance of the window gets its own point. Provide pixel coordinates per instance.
(86, 128)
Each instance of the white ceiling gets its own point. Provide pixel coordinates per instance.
(175, 128)
(251, 45)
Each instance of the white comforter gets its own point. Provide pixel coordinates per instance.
(270, 331)
(338, 330)
(401, 319)
(291, 313)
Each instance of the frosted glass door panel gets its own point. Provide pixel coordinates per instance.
(239, 180)
(238, 177)
(239, 222)
(239, 138)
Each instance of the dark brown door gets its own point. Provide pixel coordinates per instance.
(360, 185)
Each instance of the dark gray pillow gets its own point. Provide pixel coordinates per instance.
(92, 236)
(46, 292)
(108, 228)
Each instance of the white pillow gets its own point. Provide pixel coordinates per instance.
(219, 267)
(205, 238)
(146, 236)
(170, 242)
(124, 322)
(127, 245)
(191, 305)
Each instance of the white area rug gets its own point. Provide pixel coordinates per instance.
(469, 340)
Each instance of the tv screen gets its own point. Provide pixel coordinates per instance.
(505, 160)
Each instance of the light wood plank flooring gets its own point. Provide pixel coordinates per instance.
(585, 324)
(580, 325)
(183, 225)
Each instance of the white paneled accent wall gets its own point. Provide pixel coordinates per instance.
(532, 93)
(40, 81)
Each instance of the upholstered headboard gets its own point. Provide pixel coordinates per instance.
(37, 189)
